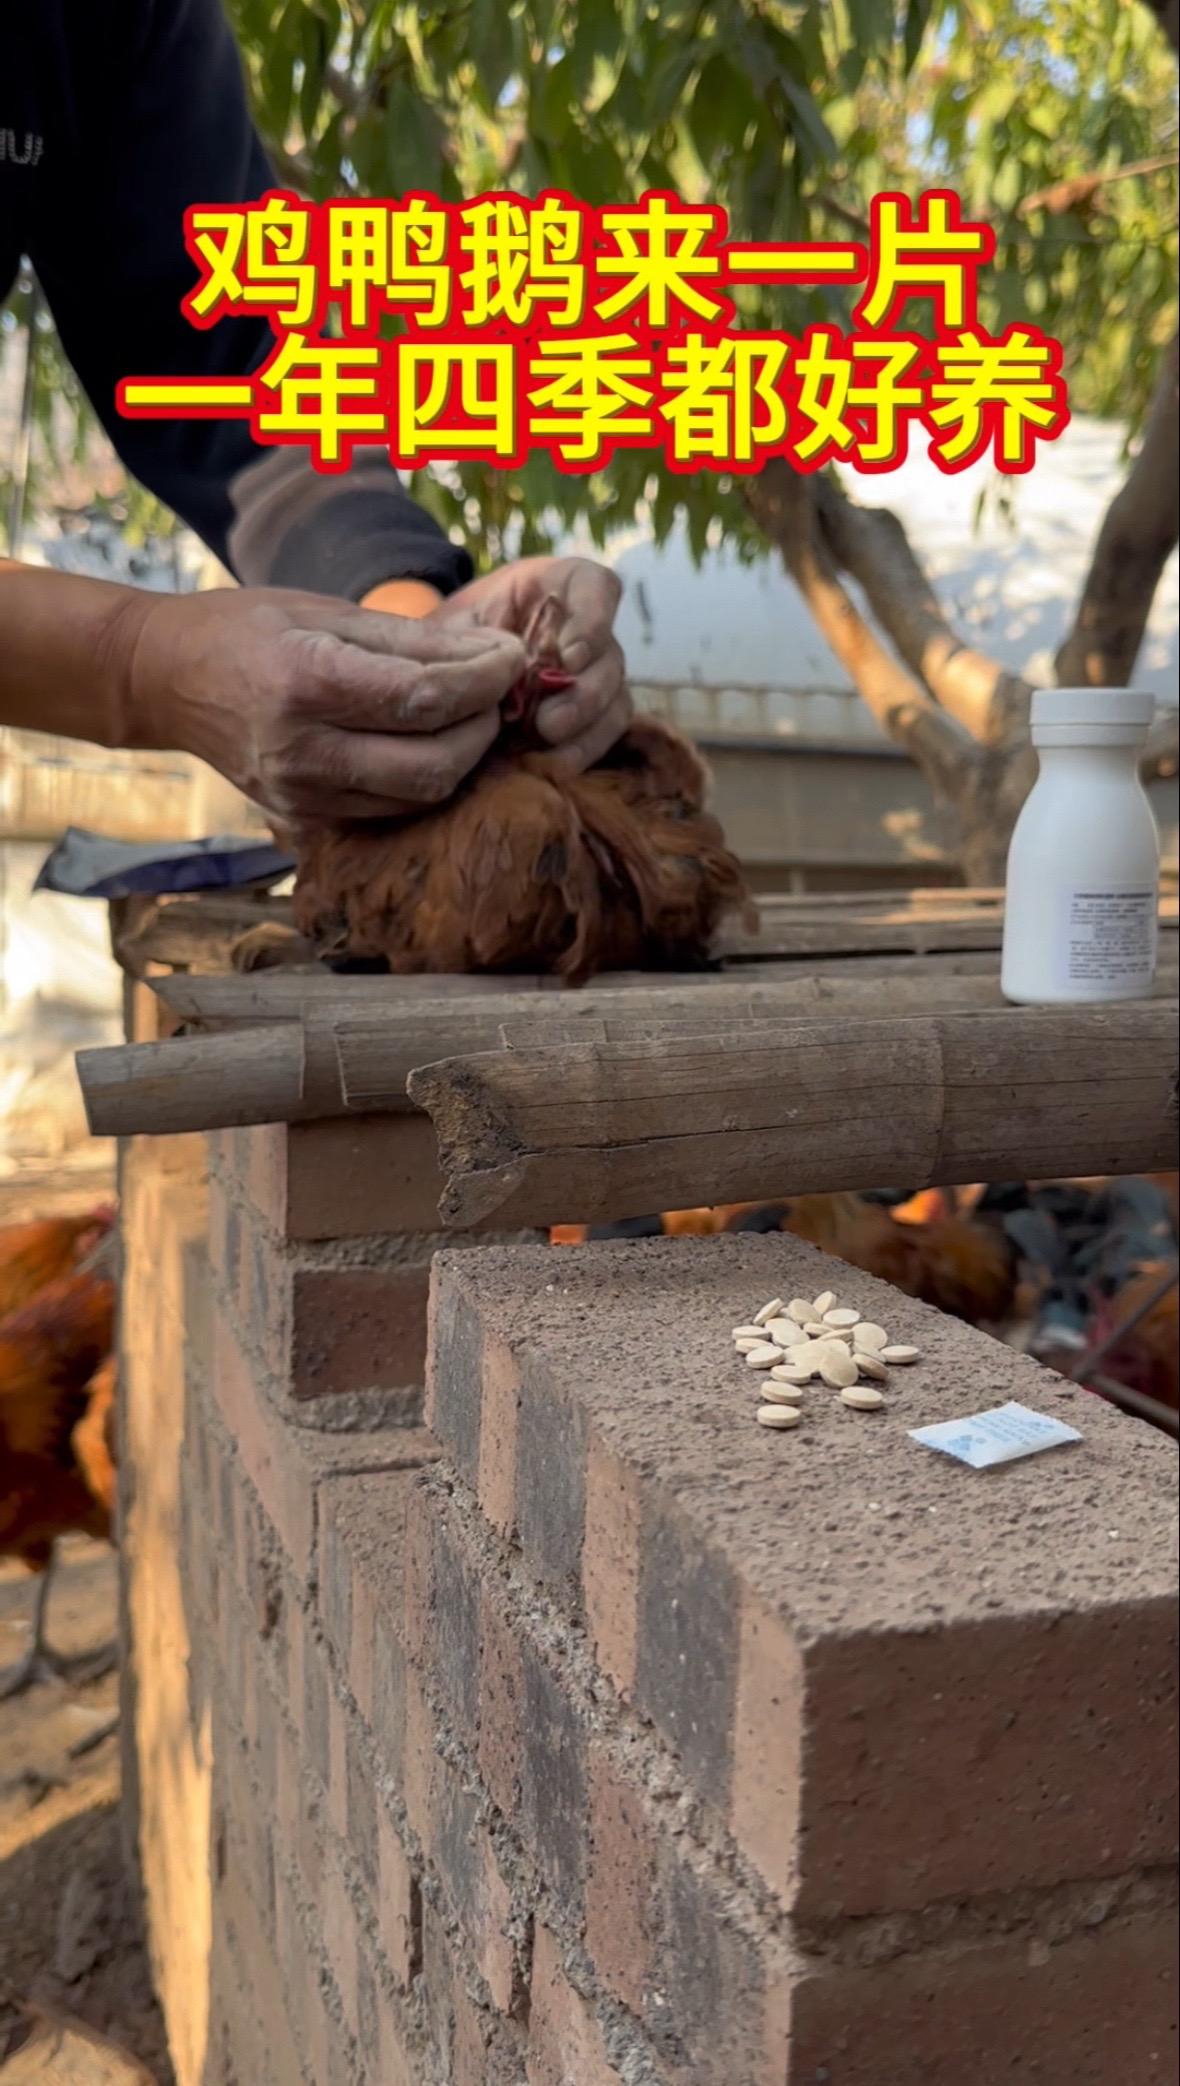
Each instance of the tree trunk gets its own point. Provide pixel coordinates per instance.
(1134, 544)
(1167, 14)
(962, 717)
(871, 545)
(982, 783)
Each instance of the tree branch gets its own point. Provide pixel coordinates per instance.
(1078, 188)
(871, 545)
(783, 504)
(1134, 543)
(345, 90)
(840, 211)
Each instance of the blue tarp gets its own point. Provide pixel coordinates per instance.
(86, 865)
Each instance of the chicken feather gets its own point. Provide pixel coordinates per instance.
(57, 1388)
(37, 1253)
(530, 867)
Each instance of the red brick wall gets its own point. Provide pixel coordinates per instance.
(595, 1735)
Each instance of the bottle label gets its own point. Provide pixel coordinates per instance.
(1109, 937)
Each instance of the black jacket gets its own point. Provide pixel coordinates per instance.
(114, 115)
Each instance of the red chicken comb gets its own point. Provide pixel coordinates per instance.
(544, 674)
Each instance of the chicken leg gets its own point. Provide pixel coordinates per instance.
(40, 1662)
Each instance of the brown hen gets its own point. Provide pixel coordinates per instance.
(35, 1254)
(530, 868)
(56, 1466)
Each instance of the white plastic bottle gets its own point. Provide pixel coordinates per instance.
(1083, 868)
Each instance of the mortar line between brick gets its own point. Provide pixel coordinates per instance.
(310, 1915)
(387, 1793)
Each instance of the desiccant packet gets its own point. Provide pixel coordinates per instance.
(1000, 1436)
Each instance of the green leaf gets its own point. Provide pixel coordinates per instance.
(280, 52)
(917, 15)
(314, 52)
(1008, 183)
(412, 155)
(598, 40)
(491, 48)
(722, 106)
(871, 24)
(594, 173)
(810, 127)
(671, 77)
(550, 108)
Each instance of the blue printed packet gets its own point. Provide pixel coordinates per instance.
(1003, 1435)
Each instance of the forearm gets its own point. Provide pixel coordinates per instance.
(66, 645)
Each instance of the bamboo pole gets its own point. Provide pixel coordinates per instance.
(324, 1054)
(359, 1059)
(204, 1083)
(598, 1131)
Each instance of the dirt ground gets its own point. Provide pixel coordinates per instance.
(69, 1938)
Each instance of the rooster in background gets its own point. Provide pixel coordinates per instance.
(966, 1266)
(529, 868)
(1144, 1357)
(1061, 1265)
(1092, 1255)
(57, 1390)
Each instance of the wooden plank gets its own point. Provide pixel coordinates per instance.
(198, 931)
(359, 1062)
(781, 935)
(195, 932)
(287, 995)
(378, 1049)
(227, 997)
(593, 1132)
(224, 998)
(959, 900)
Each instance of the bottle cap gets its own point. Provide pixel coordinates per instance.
(1081, 707)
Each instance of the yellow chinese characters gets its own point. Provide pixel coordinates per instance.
(455, 398)
(257, 258)
(488, 329)
(324, 393)
(1002, 393)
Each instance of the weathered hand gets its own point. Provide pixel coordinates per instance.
(584, 721)
(313, 708)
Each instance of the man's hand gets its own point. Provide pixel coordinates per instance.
(584, 721)
(313, 708)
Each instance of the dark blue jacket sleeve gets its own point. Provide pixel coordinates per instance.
(169, 126)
